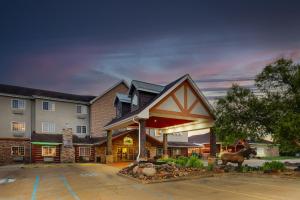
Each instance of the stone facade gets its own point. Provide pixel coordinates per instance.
(67, 154)
(103, 110)
(6, 156)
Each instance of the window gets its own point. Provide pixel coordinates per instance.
(159, 151)
(84, 151)
(135, 100)
(48, 105)
(18, 151)
(18, 126)
(178, 133)
(49, 151)
(18, 104)
(48, 127)
(80, 129)
(81, 109)
(176, 152)
(157, 132)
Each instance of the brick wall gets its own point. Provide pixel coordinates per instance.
(103, 110)
(5, 150)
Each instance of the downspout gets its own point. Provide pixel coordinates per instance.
(138, 157)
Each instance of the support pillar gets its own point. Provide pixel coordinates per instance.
(109, 155)
(142, 135)
(165, 145)
(213, 143)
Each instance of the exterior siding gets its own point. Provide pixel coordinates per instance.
(5, 150)
(65, 114)
(145, 97)
(36, 154)
(7, 117)
(103, 110)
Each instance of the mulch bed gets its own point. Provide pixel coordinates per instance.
(155, 173)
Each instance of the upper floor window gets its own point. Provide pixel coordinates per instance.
(135, 100)
(48, 127)
(48, 105)
(18, 104)
(17, 150)
(81, 129)
(81, 109)
(18, 126)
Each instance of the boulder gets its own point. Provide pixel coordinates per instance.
(149, 171)
(135, 169)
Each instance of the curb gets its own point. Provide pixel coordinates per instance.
(168, 180)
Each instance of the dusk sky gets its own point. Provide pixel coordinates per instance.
(84, 47)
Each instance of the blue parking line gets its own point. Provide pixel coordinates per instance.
(63, 178)
(35, 186)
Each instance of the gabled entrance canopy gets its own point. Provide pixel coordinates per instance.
(180, 106)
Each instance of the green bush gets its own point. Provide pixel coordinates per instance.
(182, 161)
(194, 162)
(273, 166)
(210, 167)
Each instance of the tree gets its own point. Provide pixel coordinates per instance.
(276, 112)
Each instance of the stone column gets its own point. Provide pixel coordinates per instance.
(109, 154)
(142, 135)
(213, 143)
(165, 145)
(67, 154)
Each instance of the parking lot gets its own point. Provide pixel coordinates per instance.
(96, 181)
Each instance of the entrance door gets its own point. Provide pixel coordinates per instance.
(125, 154)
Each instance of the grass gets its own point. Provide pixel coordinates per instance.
(279, 158)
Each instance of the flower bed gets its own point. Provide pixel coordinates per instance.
(182, 168)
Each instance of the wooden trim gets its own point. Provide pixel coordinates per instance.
(185, 111)
(185, 96)
(177, 102)
(16, 139)
(192, 106)
(183, 114)
(197, 96)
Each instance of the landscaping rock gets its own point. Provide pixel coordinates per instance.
(135, 169)
(149, 171)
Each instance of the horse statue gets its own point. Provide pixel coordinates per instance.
(238, 157)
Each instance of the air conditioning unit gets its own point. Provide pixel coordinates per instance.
(18, 111)
(82, 116)
(18, 134)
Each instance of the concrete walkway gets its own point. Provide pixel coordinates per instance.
(96, 181)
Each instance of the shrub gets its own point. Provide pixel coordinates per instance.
(210, 167)
(273, 166)
(194, 162)
(182, 161)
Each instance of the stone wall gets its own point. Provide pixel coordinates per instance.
(5, 151)
(67, 154)
(103, 110)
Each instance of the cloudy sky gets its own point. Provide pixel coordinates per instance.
(85, 46)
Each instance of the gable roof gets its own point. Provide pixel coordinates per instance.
(146, 87)
(109, 89)
(131, 114)
(34, 93)
(122, 97)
